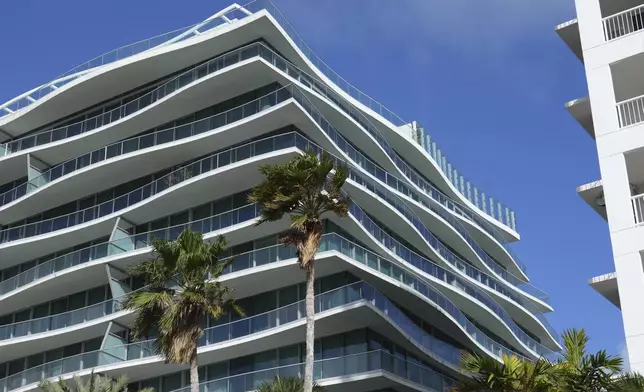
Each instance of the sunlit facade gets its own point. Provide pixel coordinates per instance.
(168, 134)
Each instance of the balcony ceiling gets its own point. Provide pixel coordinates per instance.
(580, 110)
(591, 192)
(569, 33)
(606, 285)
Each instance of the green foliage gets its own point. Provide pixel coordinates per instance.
(584, 372)
(576, 371)
(304, 188)
(286, 384)
(183, 291)
(513, 375)
(95, 383)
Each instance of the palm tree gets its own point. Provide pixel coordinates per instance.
(286, 384)
(628, 382)
(486, 374)
(180, 297)
(584, 372)
(304, 188)
(95, 383)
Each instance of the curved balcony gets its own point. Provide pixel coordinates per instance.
(190, 130)
(251, 108)
(292, 43)
(200, 85)
(121, 53)
(442, 249)
(372, 107)
(283, 319)
(369, 370)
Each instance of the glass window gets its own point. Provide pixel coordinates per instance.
(290, 355)
(77, 301)
(332, 346)
(16, 366)
(241, 365)
(355, 342)
(217, 370)
(171, 382)
(23, 315)
(265, 360)
(96, 295)
(201, 212)
(73, 349)
(41, 311)
(93, 345)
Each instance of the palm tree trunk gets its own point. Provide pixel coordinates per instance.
(194, 373)
(310, 326)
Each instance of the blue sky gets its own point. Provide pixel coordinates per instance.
(486, 78)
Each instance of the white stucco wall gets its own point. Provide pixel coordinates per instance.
(612, 144)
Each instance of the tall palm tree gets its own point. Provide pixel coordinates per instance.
(95, 383)
(183, 292)
(584, 372)
(486, 374)
(286, 384)
(304, 188)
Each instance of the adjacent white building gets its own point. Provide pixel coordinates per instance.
(608, 37)
(168, 134)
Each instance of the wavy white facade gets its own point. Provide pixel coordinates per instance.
(607, 37)
(167, 134)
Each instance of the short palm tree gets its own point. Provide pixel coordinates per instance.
(486, 374)
(179, 297)
(304, 188)
(584, 372)
(95, 383)
(628, 382)
(286, 384)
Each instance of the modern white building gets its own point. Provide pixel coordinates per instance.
(168, 133)
(608, 37)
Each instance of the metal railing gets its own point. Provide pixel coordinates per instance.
(637, 202)
(224, 16)
(129, 108)
(497, 211)
(631, 111)
(200, 126)
(358, 292)
(188, 130)
(216, 64)
(347, 365)
(624, 23)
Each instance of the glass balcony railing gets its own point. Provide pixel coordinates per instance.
(286, 141)
(496, 210)
(268, 145)
(188, 130)
(202, 166)
(243, 261)
(358, 292)
(488, 205)
(130, 108)
(138, 241)
(411, 174)
(345, 366)
(255, 258)
(179, 35)
(60, 320)
(191, 129)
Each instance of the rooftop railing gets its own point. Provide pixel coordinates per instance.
(486, 204)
